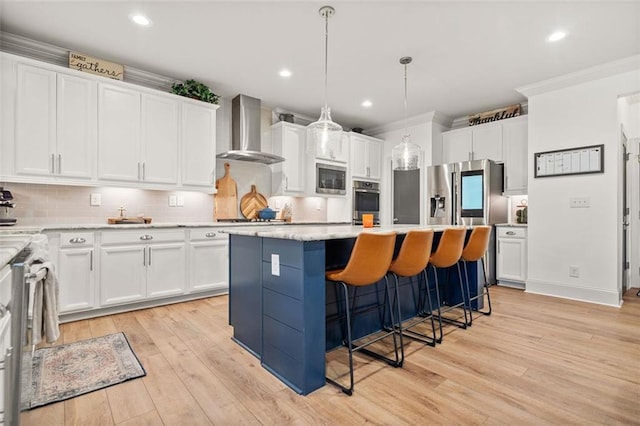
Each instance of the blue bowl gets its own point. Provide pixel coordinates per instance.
(267, 214)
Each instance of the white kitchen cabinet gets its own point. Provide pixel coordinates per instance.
(365, 156)
(512, 256)
(159, 139)
(137, 136)
(76, 270)
(142, 264)
(55, 124)
(198, 144)
(288, 141)
(473, 143)
(514, 136)
(118, 133)
(338, 152)
(208, 260)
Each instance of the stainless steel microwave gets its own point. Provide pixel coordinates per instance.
(331, 179)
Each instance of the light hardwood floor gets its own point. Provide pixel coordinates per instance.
(536, 360)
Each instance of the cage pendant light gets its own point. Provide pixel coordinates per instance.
(324, 136)
(406, 155)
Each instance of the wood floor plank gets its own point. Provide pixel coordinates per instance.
(131, 399)
(172, 399)
(536, 360)
(88, 410)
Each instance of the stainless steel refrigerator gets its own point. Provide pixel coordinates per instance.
(468, 193)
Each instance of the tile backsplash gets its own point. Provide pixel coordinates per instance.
(58, 204)
(38, 204)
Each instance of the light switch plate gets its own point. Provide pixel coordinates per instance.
(180, 201)
(579, 202)
(96, 199)
(172, 200)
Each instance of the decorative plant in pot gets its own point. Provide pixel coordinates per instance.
(196, 90)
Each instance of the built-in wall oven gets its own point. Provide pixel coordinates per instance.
(331, 179)
(366, 199)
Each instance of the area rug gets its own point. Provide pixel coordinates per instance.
(66, 371)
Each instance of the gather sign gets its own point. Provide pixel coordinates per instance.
(495, 115)
(86, 63)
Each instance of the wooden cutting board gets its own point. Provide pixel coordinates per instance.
(251, 203)
(226, 199)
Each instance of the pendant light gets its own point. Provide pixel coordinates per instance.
(406, 155)
(324, 136)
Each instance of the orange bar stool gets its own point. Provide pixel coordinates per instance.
(368, 264)
(475, 250)
(447, 255)
(412, 260)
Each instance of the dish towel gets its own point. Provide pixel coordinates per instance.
(45, 323)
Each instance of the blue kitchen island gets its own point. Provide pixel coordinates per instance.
(280, 307)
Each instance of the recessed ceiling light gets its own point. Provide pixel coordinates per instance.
(139, 19)
(285, 73)
(366, 103)
(556, 36)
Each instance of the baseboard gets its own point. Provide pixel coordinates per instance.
(583, 294)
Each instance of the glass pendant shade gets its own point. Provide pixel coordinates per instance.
(406, 155)
(324, 136)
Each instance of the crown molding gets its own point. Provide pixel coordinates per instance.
(45, 52)
(416, 120)
(605, 70)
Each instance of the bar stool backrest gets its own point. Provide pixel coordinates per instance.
(369, 260)
(449, 248)
(414, 253)
(477, 244)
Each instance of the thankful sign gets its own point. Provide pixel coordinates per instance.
(92, 65)
(495, 115)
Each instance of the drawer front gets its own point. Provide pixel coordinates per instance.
(141, 236)
(76, 239)
(283, 308)
(289, 282)
(207, 234)
(512, 232)
(291, 252)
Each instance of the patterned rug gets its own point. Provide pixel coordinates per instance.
(66, 371)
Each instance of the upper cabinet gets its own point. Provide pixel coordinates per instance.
(288, 141)
(473, 143)
(64, 126)
(338, 152)
(198, 144)
(514, 135)
(366, 156)
(54, 124)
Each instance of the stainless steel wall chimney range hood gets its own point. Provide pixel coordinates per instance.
(245, 133)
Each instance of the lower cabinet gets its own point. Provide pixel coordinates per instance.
(133, 271)
(512, 256)
(208, 260)
(102, 271)
(76, 269)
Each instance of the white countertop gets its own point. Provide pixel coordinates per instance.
(514, 225)
(11, 245)
(325, 232)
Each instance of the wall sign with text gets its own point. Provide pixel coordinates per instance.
(84, 63)
(574, 161)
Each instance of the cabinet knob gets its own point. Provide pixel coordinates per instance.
(210, 234)
(146, 237)
(77, 240)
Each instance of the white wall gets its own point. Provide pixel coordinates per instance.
(589, 238)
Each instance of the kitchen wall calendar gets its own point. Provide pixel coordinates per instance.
(574, 161)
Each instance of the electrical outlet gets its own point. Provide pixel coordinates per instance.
(95, 199)
(172, 200)
(579, 202)
(180, 201)
(574, 271)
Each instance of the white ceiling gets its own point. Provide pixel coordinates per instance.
(468, 56)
